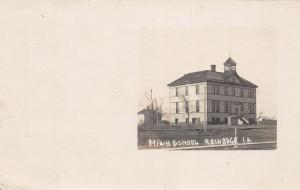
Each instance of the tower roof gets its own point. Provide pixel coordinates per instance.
(230, 61)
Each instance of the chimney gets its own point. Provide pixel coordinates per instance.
(213, 68)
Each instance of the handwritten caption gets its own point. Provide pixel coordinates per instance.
(194, 142)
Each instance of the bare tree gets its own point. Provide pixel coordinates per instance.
(186, 107)
(149, 99)
(156, 107)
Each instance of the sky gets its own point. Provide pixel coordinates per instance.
(167, 53)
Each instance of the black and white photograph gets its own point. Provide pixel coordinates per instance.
(149, 95)
(194, 100)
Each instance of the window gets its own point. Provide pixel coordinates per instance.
(252, 108)
(226, 106)
(249, 107)
(226, 90)
(186, 120)
(242, 107)
(215, 106)
(194, 121)
(177, 91)
(177, 107)
(211, 89)
(251, 93)
(197, 89)
(242, 92)
(176, 121)
(233, 91)
(186, 91)
(236, 111)
(198, 119)
(197, 106)
(217, 88)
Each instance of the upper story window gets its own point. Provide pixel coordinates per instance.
(211, 89)
(214, 89)
(217, 89)
(197, 106)
(177, 91)
(240, 92)
(251, 93)
(230, 91)
(227, 107)
(177, 107)
(215, 106)
(233, 91)
(186, 90)
(197, 89)
(252, 108)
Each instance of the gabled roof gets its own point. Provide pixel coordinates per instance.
(207, 75)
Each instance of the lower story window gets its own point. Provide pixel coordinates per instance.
(176, 121)
(215, 120)
(194, 121)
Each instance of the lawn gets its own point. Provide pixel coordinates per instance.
(254, 138)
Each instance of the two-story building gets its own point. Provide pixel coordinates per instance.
(211, 97)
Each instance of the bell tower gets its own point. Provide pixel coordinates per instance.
(229, 66)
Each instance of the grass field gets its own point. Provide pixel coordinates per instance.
(254, 138)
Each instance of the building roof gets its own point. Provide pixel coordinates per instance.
(230, 61)
(145, 111)
(211, 76)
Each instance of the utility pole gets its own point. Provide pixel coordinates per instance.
(151, 100)
(156, 112)
(152, 114)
